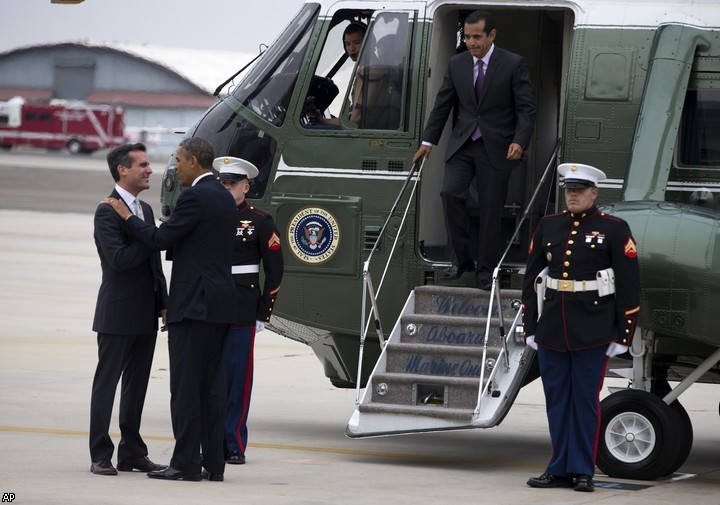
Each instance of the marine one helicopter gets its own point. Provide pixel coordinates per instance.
(630, 87)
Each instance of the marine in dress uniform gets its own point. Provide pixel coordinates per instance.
(582, 322)
(257, 241)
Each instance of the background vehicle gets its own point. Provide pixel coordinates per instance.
(75, 125)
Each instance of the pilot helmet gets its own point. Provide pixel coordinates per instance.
(579, 176)
(231, 168)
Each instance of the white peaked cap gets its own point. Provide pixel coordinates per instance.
(231, 166)
(578, 175)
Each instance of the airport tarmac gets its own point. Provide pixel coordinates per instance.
(298, 454)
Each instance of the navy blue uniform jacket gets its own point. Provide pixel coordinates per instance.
(576, 247)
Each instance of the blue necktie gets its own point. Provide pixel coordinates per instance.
(478, 88)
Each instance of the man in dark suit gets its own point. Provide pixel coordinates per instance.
(202, 305)
(132, 296)
(496, 114)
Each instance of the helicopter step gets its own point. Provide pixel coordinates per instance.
(428, 376)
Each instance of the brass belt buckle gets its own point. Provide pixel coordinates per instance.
(566, 285)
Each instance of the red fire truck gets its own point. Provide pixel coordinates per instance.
(81, 127)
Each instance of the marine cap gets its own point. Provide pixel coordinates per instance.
(234, 169)
(579, 176)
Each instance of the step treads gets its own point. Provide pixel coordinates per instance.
(449, 331)
(462, 302)
(418, 410)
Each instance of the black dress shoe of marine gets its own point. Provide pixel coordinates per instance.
(550, 480)
(213, 477)
(456, 271)
(584, 483)
(170, 473)
(103, 467)
(235, 458)
(143, 464)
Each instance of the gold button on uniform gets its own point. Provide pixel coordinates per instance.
(574, 232)
(568, 252)
(567, 263)
(576, 223)
(565, 275)
(571, 242)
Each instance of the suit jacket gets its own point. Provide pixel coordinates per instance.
(133, 288)
(201, 232)
(505, 112)
(575, 247)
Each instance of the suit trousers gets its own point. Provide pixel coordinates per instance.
(468, 162)
(572, 381)
(129, 356)
(239, 378)
(197, 395)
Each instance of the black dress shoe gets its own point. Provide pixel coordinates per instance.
(235, 458)
(213, 477)
(456, 271)
(584, 483)
(143, 464)
(550, 480)
(483, 282)
(103, 467)
(170, 473)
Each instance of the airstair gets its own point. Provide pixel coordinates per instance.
(438, 372)
(456, 357)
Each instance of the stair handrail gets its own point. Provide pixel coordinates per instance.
(495, 291)
(503, 352)
(367, 281)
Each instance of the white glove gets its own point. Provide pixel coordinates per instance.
(614, 349)
(530, 341)
(259, 326)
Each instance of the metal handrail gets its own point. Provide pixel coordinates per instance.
(367, 281)
(495, 292)
(503, 353)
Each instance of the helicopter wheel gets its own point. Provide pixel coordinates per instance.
(685, 435)
(638, 436)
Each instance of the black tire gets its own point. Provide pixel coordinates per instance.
(638, 436)
(6, 147)
(685, 434)
(74, 146)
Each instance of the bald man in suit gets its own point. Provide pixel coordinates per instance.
(496, 116)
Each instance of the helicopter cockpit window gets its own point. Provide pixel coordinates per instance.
(268, 86)
(382, 74)
(361, 89)
(700, 129)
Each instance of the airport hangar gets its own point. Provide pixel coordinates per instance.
(161, 89)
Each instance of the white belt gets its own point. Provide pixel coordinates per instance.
(571, 286)
(245, 269)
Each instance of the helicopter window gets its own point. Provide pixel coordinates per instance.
(700, 129)
(232, 135)
(267, 88)
(324, 103)
(382, 73)
(373, 87)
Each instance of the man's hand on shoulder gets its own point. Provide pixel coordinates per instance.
(119, 207)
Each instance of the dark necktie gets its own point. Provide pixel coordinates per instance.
(478, 88)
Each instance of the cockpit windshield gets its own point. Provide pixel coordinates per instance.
(267, 88)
